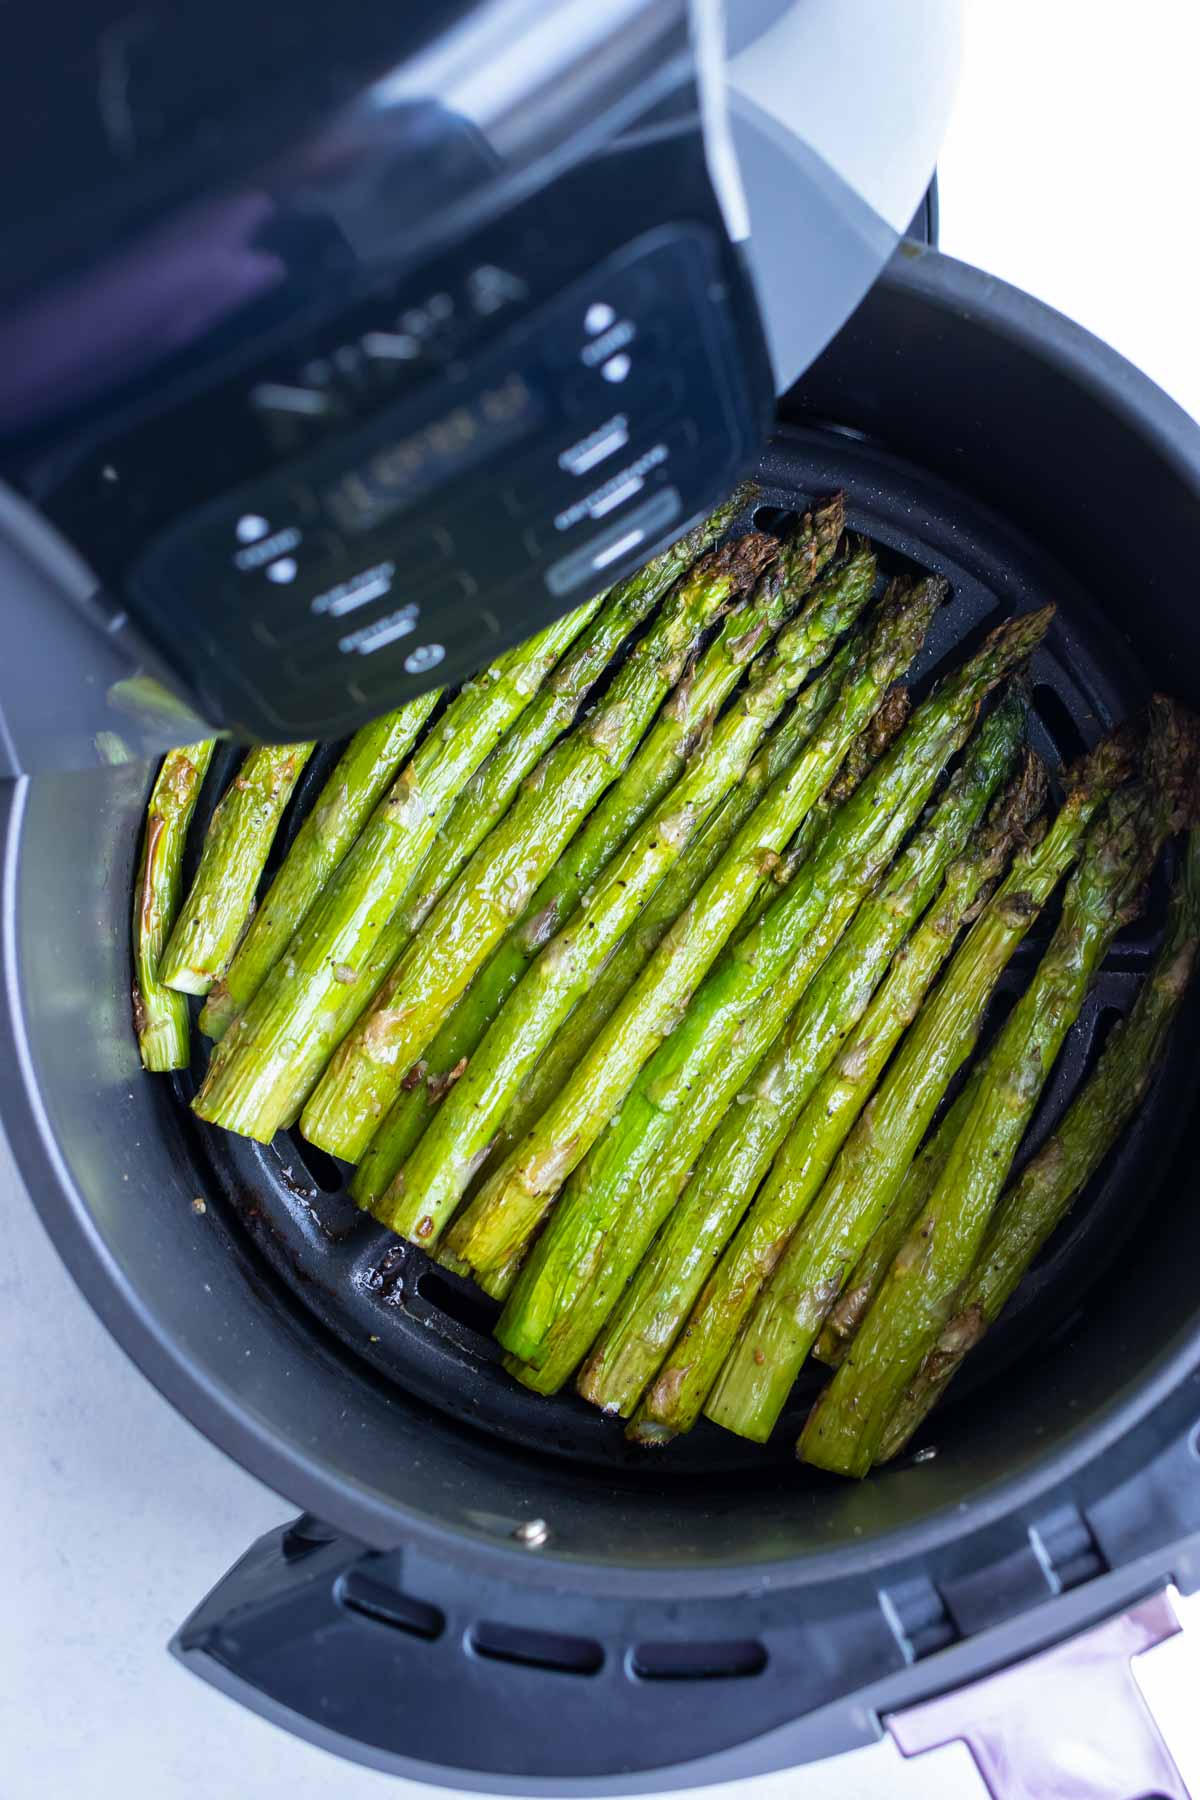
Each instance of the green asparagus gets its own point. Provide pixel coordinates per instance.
(683, 727)
(496, 884)
(925, 1171)
(1040, 1199)
(634, 951)
(160, 1015)
(736, 1157)
(265, 1066)
(573, 1275)
(507, 1209)
(845, 1427)
(430, 1185)
(887, 721)
(674, 1400)
(214, 915)
(368, 765)
(757, 1377)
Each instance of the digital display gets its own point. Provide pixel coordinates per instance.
(398, 473)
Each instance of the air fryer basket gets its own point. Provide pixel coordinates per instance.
(976, 434)
(429, 1331)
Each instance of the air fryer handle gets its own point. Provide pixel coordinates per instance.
(408, 1665)
(1069, 1721)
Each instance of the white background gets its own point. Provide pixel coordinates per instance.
(1071, 169)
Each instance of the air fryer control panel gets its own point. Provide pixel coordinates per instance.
(403, 531)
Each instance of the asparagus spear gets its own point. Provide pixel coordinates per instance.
(923, 1176)
(430, 1185)
(836, 600)
(573, 1275)
(1040, 1199)
(496, 884)
(356, 784)
(510, 1205)
(160, 1015)
(878, 734)
(221, 899)
(266, 1064)
(735, 1159)
(677, 889)
(844, 1429)
(839, 1219)
(886, 723)
(673, 1401)
(604, 623)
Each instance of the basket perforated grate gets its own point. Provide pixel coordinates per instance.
(428, 1330)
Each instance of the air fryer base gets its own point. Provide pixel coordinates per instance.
(857, 1593)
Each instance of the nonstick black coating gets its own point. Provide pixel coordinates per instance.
(427, 1330)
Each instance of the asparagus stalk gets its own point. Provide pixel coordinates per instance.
(735, 1159)
(845, 1427)
(686, 721)
(508, 1208)
(266, 1064)
(368, 765)
(923, 1176)
(880, 732)
(810, 1266)
(498, 881)
(487, 795)
(427, 1189)
(678, 888)
(674, 1399)
(221, 899)
(613, 1078)
(574, 1273)
(160, 1015)
(1037, 1203)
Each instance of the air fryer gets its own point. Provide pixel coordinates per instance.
(490, 1589)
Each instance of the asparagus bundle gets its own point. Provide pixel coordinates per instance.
(1040, 1199)
(845, 1427)
(886, 723)
(430, 1185)
(603, 624)
(505, 1212)
(678, 887)
(213, 917)
(575, 1272)
(637, 1336)
(495, 886)
(684, 722)
(160, 1013)
(363, 772)
(673, 1401)
(757, 1377)
(264, 1067)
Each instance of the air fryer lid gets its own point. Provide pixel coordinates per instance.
(256, 1312)
(343, 359)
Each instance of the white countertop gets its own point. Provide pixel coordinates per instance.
(1070, 169)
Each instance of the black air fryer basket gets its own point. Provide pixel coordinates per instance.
(500, 1592)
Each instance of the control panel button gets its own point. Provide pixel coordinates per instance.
(587, 564)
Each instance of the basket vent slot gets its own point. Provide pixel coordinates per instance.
(536, 1649)
(360, 1592)
(1055, 715)
(474, 1310)
(727, 1661)
(326, 1172)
